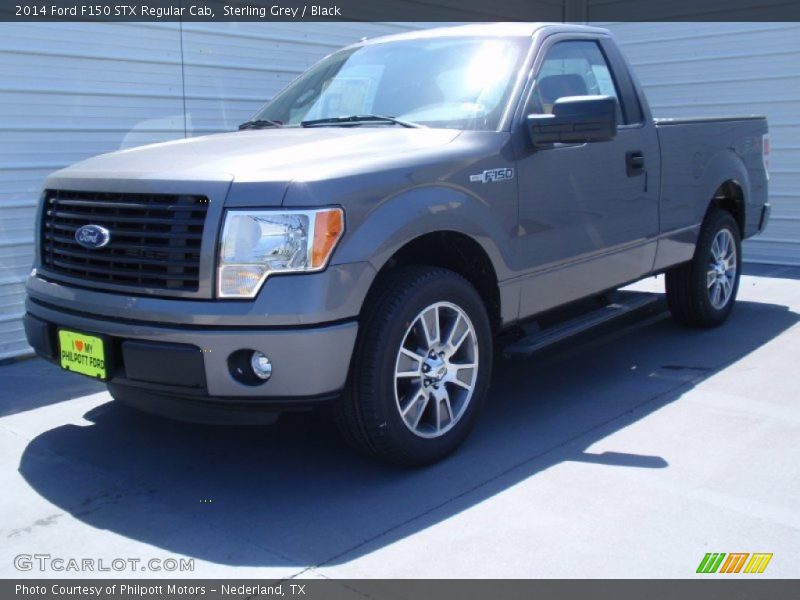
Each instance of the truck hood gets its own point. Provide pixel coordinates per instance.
(267, 155)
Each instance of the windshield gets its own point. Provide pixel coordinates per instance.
(461, 83)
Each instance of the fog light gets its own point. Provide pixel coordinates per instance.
(261, 365)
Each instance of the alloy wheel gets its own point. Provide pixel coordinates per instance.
(436, 370)
(721, 269)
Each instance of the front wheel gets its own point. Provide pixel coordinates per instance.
(701, 293)
(421, 367)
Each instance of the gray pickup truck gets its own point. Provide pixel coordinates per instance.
(365, 241)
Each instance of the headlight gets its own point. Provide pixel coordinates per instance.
(259, 243)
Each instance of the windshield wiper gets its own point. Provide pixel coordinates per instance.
(357, 119)
(260, 124)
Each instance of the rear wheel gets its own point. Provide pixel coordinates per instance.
(421, 368)
(701, 293)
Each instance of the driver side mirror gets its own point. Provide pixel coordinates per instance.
(575, 120)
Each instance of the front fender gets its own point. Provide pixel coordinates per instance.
(377, 232)
(392, 203)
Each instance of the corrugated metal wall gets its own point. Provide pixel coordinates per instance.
(698, 69)
(70, 90)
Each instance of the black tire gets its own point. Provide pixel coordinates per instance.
(688, 295)
(368, 414)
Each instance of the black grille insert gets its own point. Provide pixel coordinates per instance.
(155, 238)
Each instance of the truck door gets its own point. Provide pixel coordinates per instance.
(588, 213)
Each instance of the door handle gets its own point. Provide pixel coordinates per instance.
(634, 163)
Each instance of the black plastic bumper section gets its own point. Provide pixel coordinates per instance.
(143, 361)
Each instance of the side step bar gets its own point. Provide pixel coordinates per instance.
(623, 303)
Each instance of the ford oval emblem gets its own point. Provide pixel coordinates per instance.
(92, 236)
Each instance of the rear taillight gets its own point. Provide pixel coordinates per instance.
(765, 152)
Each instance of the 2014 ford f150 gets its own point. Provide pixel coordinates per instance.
(365, 239)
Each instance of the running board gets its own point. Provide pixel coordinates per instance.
(622, 304)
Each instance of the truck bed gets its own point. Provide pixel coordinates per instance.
(694, 153)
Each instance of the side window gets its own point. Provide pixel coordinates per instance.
(574, 68)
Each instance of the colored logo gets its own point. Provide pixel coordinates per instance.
(735, 562)
(92, 236)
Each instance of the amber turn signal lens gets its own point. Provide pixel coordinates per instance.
(328, 228)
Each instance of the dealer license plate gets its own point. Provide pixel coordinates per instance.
(82, 353)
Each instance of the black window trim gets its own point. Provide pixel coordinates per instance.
(631, 106)
(626, 91)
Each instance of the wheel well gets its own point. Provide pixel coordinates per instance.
(457, 252)
(730, 196)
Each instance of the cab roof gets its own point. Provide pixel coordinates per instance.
(485, 29)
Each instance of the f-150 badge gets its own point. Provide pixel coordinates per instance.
(492, 175)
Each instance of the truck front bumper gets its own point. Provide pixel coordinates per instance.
(186, 371)
(173, 355)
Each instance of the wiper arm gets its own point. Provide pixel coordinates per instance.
(260, 124)
(355, 119)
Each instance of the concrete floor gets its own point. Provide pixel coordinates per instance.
(625, 453)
